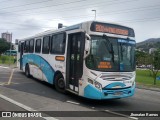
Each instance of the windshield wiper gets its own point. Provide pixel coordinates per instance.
(110, 46)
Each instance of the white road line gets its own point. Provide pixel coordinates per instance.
(10, 78)
(72, 102)
(121, 114)
(24, 106)
(2, 83)
(4, 67)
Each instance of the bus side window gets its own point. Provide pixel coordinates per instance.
(58, 44)
(31, 46)
(45, 48)
(25, 46)
(38, 46)
(19, 46)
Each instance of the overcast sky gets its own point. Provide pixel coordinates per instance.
(27, 17)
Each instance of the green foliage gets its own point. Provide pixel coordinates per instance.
(156, 61)
(4, 45)
(142, 58)
(144, 77)
(6, 59)
(153, 60)
(3, 58)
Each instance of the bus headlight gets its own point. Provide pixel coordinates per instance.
(90, 81)
(97, 85)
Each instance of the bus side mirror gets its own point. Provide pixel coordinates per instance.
(87, 45)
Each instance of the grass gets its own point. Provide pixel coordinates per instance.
(144, 77)
(7, 60)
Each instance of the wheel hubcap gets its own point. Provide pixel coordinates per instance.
(61, 83)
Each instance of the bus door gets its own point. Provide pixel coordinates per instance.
(21, 55)
(74, 63)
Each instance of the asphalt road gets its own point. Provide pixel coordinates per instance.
(41, 96)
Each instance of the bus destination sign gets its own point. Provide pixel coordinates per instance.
(113, 29)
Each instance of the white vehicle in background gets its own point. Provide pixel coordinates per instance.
(92, 59)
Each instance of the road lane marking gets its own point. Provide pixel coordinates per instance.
(4, 67)
(123, 115)
(24, 106)
(10, 78)
(72, 102)
(2, 83)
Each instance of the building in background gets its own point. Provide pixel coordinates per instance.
(152, 50)
(7, 36)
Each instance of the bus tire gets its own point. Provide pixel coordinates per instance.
(27, 71)
(59, 83)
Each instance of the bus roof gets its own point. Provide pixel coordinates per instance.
(76, 26)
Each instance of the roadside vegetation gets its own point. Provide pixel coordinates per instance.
(151, 62)
(145, 77)
(6, 60)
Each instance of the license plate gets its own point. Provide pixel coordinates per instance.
(118, 93)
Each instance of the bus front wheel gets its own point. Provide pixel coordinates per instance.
(27, 71)
(59, 83)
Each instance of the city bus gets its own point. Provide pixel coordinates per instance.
(93, 59)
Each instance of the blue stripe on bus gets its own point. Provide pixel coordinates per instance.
(115, 84)
(42, 64)
(93, 93)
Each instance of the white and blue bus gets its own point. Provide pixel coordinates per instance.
(92, 59)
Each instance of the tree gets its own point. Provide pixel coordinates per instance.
(155, 64)
(4, 45)
(141, 57)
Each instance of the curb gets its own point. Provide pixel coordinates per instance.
(145, 88)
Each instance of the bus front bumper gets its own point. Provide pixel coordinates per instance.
(93, 93)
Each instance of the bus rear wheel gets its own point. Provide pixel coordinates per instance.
(59, 83)
(27, 71)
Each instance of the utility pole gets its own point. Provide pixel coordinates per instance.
(94, 14)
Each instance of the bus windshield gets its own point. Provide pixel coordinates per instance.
(101, 59)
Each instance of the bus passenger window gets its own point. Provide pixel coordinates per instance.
(38, 46)
(26, 46)
(19, 46)
(31, 46)
(58, 44)
(45, 49)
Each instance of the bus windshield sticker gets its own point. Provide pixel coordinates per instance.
(104, 65)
